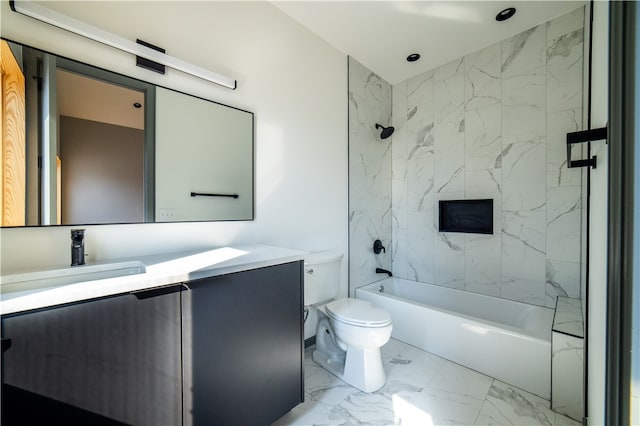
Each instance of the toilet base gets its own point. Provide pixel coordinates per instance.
(357, 366)
(358, 362)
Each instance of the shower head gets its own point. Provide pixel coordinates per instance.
(386, 131)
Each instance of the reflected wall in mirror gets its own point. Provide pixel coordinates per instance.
(101, 150)
(82, 145)
(192, 187)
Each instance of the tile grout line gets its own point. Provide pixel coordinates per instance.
(475, 421)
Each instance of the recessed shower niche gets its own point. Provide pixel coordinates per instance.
(469, 216)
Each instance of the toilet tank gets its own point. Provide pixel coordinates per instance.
(321, 277)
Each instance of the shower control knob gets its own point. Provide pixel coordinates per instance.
(378, 247)
(310, 271)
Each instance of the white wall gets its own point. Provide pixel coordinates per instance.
(598, 221)
(102, 172)
(294, 82)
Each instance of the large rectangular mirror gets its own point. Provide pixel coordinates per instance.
(82, 145)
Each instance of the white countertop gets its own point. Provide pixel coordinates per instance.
(161, 270)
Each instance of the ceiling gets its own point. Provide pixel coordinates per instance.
(96, 100)
(381, 34)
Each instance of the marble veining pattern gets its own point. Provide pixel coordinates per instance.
(565, 218)
(421, 389)
(563, 279)
(370, 179)
(523, 177)
(483, 139)
(449, 129)
(563, 223)
(567, 369)
(568, 317)
(558, 125)
(493, 124)
(565, 24)
(524, 52)
(399, 169)
(482, 83)
(524, 107)
(421, 245)
(508, 405)
(564, 63)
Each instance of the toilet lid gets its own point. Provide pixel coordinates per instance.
(358, 312)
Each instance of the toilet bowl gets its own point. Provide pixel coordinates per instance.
(350, 332)
(349, 336)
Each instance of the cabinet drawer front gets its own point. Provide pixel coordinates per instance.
(111, 361)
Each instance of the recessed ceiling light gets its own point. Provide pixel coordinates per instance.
(505, 14)
(413, 57)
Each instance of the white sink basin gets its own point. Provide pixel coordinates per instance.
(71, 275)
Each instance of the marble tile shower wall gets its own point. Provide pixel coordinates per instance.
(492, 125)
(369, 174)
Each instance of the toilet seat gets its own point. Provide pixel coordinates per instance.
(358, 313)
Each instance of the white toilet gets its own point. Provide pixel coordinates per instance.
(350, 332)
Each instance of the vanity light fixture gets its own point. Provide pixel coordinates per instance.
(75, 26)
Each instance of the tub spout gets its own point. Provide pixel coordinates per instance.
(383, 271)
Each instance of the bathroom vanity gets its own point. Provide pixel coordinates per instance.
(201, 338)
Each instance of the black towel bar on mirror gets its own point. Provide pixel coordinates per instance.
(581, 137)
(206, 194)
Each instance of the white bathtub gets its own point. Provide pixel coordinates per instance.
(508, 340)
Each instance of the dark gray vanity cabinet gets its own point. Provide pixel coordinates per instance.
(243, 340)
(108, 361)
(225, 350)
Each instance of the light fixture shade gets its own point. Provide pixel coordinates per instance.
(75, 26)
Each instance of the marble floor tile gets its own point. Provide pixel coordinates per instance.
(422, 389)
(508, 405)
(454, 396)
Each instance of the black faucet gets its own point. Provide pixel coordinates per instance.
(77, 247)
(383, 271)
